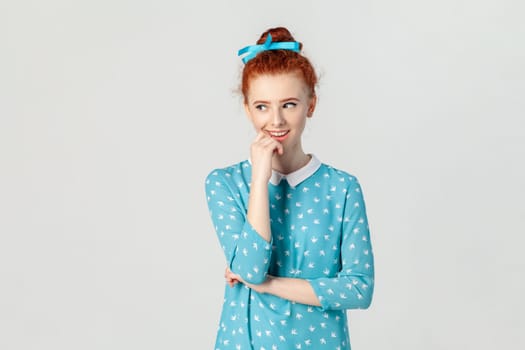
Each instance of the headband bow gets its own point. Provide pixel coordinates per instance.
(253, 50)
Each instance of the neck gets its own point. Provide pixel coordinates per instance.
(288, 163)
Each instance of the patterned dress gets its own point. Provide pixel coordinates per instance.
(319, 233)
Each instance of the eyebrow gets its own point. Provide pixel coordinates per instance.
(281, 101)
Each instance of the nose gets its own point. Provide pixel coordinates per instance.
(277, 117)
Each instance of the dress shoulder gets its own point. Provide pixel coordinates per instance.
(331, 170)
(225, 173)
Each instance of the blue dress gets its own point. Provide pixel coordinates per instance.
(319, 233)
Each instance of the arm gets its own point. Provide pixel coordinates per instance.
(259, 208)
(353, 286)
(247, 252)
(245, 234)
(262, 151)
(293, 289)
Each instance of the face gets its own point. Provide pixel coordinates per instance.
(279, 105)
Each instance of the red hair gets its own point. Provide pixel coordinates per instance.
(273, 62)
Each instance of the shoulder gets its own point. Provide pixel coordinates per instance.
(338, 175)
(337, 178)
(227, 173)
(348, 183)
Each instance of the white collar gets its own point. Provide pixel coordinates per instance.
(298, 176)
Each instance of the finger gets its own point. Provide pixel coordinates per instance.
(232, 281)
(276, 147)
(229, 275)
(264, 140)
(260, 135)
(280, 148)
(270, 143)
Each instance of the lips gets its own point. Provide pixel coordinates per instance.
(278, 134)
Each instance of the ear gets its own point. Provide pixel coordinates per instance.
(311, 107)
(247, 111)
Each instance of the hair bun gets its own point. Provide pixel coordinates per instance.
(279, 34)
(274, 61)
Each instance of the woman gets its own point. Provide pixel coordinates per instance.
(294, 230)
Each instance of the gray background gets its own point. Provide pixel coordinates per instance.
(113, 112)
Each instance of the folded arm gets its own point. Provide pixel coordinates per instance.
(247, 252)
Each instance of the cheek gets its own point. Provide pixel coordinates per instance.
(299, 118)
(257, 122)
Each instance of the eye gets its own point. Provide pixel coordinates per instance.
(261, 107)
(289, 105)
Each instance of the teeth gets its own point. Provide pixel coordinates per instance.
(278, 134)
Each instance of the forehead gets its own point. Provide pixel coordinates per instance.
(277, 86)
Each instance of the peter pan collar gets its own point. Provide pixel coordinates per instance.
(298, 176)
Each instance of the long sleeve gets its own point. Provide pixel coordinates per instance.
(247, 253)
(352, 287)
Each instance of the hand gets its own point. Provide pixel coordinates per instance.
(232, 279)
(262, 150)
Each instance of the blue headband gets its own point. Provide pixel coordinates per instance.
(253, 50)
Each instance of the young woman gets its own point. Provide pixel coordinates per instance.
(293, 229)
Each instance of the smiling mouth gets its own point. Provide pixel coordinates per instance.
(278, 133)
